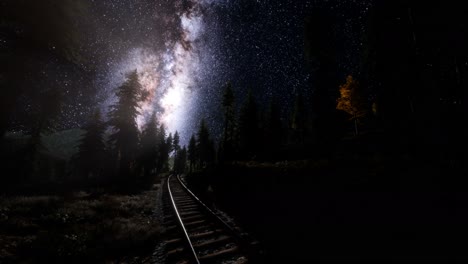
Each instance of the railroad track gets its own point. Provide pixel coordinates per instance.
(200, 234)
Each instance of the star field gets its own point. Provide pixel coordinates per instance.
(185, 51)
(259, 46)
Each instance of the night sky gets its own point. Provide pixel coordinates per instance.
(185, 51)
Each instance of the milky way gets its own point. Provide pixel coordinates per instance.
(184, 50)
(168, 61)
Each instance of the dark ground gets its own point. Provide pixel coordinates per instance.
(353, 209)
(80, 227)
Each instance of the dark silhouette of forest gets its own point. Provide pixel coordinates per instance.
(110, 153)
(371, 164)
(405, 102)
(381, 145)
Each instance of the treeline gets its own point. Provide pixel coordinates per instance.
(109, 151)
(402, 100)
(253, 132)
(118, 149)
(413, 79)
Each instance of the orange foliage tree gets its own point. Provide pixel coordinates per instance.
(351, 101)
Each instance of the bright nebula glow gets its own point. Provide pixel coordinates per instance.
(183, 67)
(180, 71)
(146, 63)
(168, 75)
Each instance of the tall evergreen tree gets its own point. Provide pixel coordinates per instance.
(322, 48)
(91, 151)
(204, 144)
(149, 146)
(298, 120)
(180, 160)
(229, 122)
(273, 129)
(192, 152)
(123, 114)
(176, 142)
(169, 143)
(248, 128)
(48, 105)
(163, 149)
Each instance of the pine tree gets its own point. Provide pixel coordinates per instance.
(248, 127)
(273, 129)
(298, 122)
(91, 151)
(183, 159)
(322, 46)
(180, 160)
(164, 149)
(176, 142)
(169, 143)
(192, 152)
(204, 145)
(48, 105)
(149, 146)
(123, 114)
(229, 122)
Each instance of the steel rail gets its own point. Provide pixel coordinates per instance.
(181, 223)
(229, 227)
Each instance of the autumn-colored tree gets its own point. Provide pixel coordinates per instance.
(351, 101)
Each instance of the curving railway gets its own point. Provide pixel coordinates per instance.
(200, 235)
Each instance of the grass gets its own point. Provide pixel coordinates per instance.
(79, 227)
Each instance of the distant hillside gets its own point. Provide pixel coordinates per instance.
(63, 144)
(60, 144)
